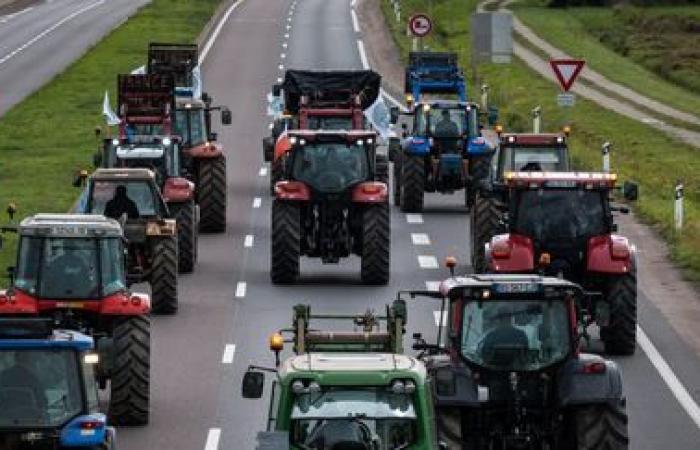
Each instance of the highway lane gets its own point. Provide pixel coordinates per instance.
(54, 33)
(197, 371)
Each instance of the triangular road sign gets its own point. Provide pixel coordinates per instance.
(566, 71)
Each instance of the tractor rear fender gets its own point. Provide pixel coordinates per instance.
(588, 379)
(507, 253)
(611, 254)
(415, 145)
(123, 304)
(207, 150)
(85, 431)
(370, 192)
(178, 189)
(292, 190)
(282, 147)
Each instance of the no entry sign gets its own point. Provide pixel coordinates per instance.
(420, 25)
(566, 71)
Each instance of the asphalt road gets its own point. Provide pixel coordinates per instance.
(53, 32)
(229, 307)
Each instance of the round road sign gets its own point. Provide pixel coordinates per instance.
(420, 25)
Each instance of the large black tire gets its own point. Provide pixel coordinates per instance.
(211, 195)
(276, 173)
(130, 381)
(164, 276)
(286, 242)
(185, 214)
(376, 244)
(479, 168)
(485, 219)
(620, 336)
(382, 169)
(600, 427)
(397, 179)
(412, 183)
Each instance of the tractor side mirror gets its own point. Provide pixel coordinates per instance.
(80, 178)
(276, 90)
(394, 114)
(213, 136)
(630, 191)
(225, 116)
(253, 383)
(206, 98)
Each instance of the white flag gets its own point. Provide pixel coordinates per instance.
(378, 116)
(274, 105)
(110, 116)
(196, 82)
(139, 71)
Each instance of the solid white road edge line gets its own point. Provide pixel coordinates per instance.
(213, 439)
(428, 262)
(674, 384)
(420, 239)
(5, 18)
(355, 23)
(363, 55)
(229, 353)
(248, 242)
(240, 289)
(217, 30)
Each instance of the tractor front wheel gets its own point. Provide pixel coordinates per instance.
(412, 183)
(211, 194)
(286, 242)
(600, 427)
(130, 384)
(376, 244)
(620, 336)
(164, 276)
(185, 215)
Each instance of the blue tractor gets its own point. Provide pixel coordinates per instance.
(445, 151)
(48, 389)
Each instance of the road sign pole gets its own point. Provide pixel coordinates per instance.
(415, 44)
(606, 157)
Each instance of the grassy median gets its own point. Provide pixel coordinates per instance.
(49, 136)
(640, 152)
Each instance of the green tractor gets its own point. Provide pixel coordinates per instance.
(346, 389)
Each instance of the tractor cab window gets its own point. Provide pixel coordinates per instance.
(191, 126)
(139, 193)
(150, 152)
(70, 268)
(134, 130)
(515, 334)
(446, 122)
(539, 159)
(329, 123)
(330, 167)
(372, 418)
(39, 388)
(559, 215)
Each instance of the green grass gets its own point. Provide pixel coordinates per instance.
(645, 49)
(49, 136)
(639, 153)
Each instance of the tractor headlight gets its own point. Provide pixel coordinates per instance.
(298, 387)
(166, 141)
(115, 142)
(302, 141)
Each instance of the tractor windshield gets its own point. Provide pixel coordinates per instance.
(330, 167)
(39, 388)
(354, 418)
(556, 215)
(446, 122)
(540, 159)
(191, 126)
(515, 334)
(70, 268)
(148, 152)
(108, 198)
(330, 123)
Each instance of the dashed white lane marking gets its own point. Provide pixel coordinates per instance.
(217, 30)
(289, 27)
(50, 29)
(263, 171)
(432, 285)
(289, 19)
(283, 55)
(281, 67)
(286, 35)
(229, 353)
(213, 439)
(414, 218)
(284, 45)
(240, 289)
(355, 23)
(428, 262)
(257, 201)
(279, 79)
(248, 241)
(436, 316)
(420, 239)
(674, 384)
(363, 54)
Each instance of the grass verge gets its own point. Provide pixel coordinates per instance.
(640, 152)
(49, 136)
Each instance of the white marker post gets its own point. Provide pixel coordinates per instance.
(678, 206)
(537, 119)
(606, 157)
(484, 97)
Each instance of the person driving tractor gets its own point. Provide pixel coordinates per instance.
(503, 336)
(446, 127)
(121, 204)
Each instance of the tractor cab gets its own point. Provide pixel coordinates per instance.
(446, 127)
(545, 152)
(161, 154)
(48, 388)
(346, 389)
(510, 373)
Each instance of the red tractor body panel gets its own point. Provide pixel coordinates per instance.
(610, 254)
(292, 190)
(370, 192)
(119, 304)
(205, 151)
(178, 189)
(511, 253)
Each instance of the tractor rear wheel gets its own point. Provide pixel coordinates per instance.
(211, 194)
(376, 244)
(600, 427)
(185, 214)
(286, 242)
(397, 179)
(382, 169)
(164, 276)
(478, 171)
(276, 173)
(620, 336)
(485, 217)
(130, 383)
(412, 181)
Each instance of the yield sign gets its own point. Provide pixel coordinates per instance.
(566, 71)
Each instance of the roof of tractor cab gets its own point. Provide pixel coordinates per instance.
(441, 103)
(527, 139)
(349, 135)
(123, 173)
(504, 283)
(559, 180)
(70, 225)
(381, 365)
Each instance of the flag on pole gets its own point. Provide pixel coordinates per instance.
(197, 82)
(139, 71)
(110, 116)
(378, 116)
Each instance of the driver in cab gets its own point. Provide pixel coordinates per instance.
(121, 204)
(504, 336)
(446, 128)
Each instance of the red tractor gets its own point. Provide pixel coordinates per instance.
(330, 205)
(561, 224)
(202, 157)
(146, 140)
(320, 100)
